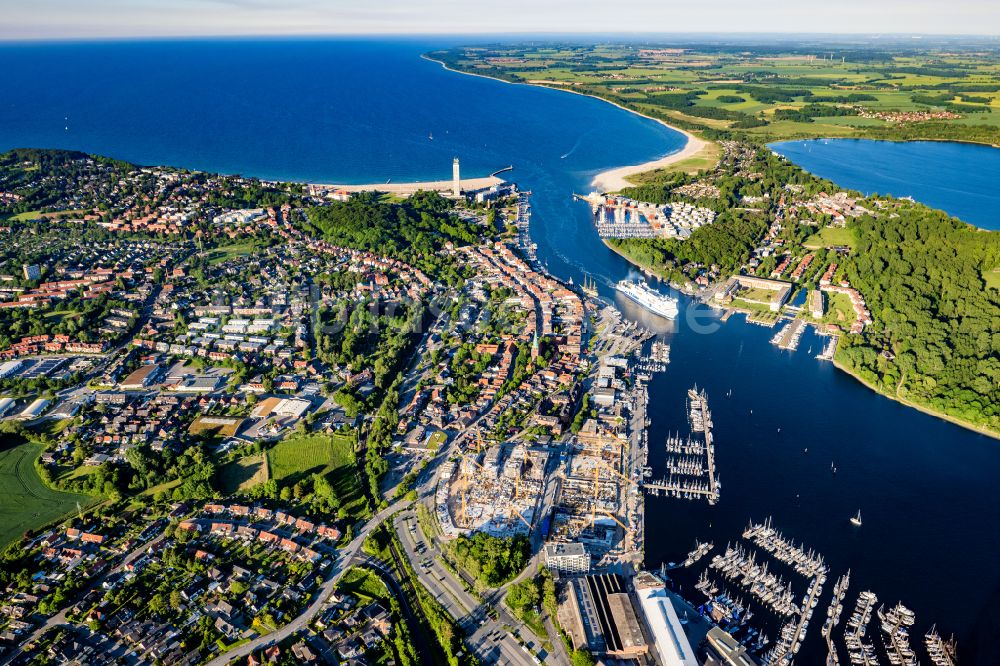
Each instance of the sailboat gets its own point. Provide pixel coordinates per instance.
(856, 520)
(589, 286)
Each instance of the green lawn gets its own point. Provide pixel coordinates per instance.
(25, 502)
(226, 252)
(242, 474)
(830, 236)
(298, 457)
(992, 278)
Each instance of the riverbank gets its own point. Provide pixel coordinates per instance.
(614, 179)
(920, 408)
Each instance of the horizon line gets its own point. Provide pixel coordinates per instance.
(605, 36)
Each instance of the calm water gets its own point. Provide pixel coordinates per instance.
(962, 179)
(356, 112)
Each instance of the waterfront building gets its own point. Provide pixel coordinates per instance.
(817, 304)
(456, 178)
(567, 558)
(724, 650)
(665, 628)
(600, 617)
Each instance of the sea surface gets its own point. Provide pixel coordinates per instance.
(962, 179)
(366, 111)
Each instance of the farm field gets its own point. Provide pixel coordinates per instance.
(298, 457)
(25, 502)
(769, 94)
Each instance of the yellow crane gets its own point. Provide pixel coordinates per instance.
(613, 517)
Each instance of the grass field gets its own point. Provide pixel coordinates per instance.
(992, 278)
(25, 502)
(210, 427)
(298, 457)
(239, 475)
(226, 252)
(830, 236)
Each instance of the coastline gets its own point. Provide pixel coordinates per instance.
(613, 179)
(982, 430)
(405, 189)
(618, 175)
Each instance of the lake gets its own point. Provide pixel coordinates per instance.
(962, 179)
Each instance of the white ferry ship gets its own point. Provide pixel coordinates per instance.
(652, 300)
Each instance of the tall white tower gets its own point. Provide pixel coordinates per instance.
(456, 178)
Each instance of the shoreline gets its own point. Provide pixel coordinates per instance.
(981, 430)
(614, 179)
(408, 187)
(617, 175)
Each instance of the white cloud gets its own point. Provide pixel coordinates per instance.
(129, 18)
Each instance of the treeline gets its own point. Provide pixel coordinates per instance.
(937, 131)
(810, 111)
(936, 337)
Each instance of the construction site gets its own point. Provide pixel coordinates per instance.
(497, 491)
(591, 505)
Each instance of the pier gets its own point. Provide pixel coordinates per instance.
(690, 462)
(833, 617)
(788, 337)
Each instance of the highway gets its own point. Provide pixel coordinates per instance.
(485, 636)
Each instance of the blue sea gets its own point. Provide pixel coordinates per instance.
(366, 111)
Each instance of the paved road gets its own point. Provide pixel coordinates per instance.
(60, 617)
(485, 637)
(343, 563)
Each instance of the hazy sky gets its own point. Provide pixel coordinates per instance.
(34, 19)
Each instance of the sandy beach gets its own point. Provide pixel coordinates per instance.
(612, 179)
(615, 179)
(405, 189)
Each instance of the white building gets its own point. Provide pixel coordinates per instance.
(568, 558)
(9, 368)
(6, 404)
(34, 410)
(671, 642)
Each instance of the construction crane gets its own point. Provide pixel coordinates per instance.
(510, 510)
(597, 488)
(625, 527)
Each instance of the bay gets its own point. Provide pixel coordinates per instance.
(960, 178)
(364, 111)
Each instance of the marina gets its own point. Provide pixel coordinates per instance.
(860, 652)
(895, 624)
(788, 336)
(942, 652)
(690, 462)
(833, 614)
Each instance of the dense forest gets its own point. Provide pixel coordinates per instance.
(491, 559)
(413, 230)
(936, 337)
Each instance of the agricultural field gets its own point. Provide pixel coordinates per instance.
(298, 457)
(25, 502)
(770, 93)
